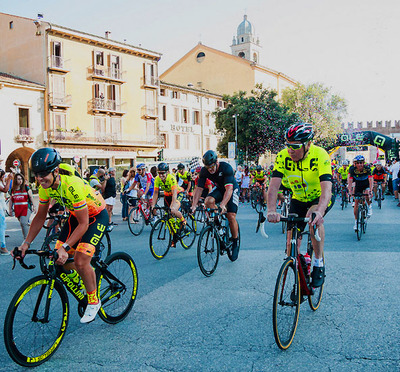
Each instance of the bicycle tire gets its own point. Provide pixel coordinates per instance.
(229, 252)
(200, 217)
(359, 222)
(342, 204)
(286, 304)
(379, 198)
(187, 238)
(117, 300)
(105, 249)
(208, 250)
(21, 332)
(314, 300)
(136, 221)
(364, 219)
(160, 239)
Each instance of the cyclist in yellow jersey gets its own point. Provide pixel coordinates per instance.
(343, 173)
(260, 178)
(86, 224)
(183, 178)
(308, 170)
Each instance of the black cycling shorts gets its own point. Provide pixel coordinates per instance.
(168, 198)
(233, 203)
(361, 186)
(301, 209)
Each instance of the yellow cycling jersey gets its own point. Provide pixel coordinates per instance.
(185, 177)
(168, 186)
(304, 177)
(285, 183)
(260, 176)
(344, 172)
(74, 194)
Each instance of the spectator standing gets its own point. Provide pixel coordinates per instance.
(124, 198)
(110, 193)
(394, 169)
(129, 190)
(97, 180)
(238, 176)
(245, 184)
(4, 187)
(21, 197)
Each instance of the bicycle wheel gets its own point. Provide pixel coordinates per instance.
(229, 251)
(253, 198)
(286, 305)
(117, 287)
(359, 222)
(342, 204)
(188, 236)
(284, 211)
(379, 197)
(48, 244)
(136, 221)
(315, 300)
(200, 217)
(208, 250)
(105, 246)
(30, 340)
(364, 219)
(160, 239)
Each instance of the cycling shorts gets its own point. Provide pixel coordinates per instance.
(361, 186)
(149, 194)
(301, 208)
(179, 198)
(90, 240)
(233, 203)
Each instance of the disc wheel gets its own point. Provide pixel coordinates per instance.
(117, 287)
(136, 221)
(160, 240)
(208, 249)
(30, 340)
(286, 305)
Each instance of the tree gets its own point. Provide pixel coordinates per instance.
(261, 122)
(316, 104)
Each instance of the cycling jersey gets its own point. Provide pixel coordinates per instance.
(260, 176)
(344, 172)
(168, 186)
(360, 175)
(304, 176)
(184, 179)
(74, 194)
(221, 178)
(379, 175)
(144, 180)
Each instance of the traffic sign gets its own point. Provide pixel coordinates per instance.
(77, 159)
(16, 163)
(231, 150)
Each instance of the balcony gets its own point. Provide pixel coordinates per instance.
(107, 105)
(149, 112)
(150, 82)
(106, 73)
(103, 139)
(24, 135)
(57, 63)
(59, 100)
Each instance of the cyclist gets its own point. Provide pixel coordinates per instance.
(183, 177)
(361, 174)
(225, 192)
(85, 226)
(308, 170)
(380, 175)
(208, 185)
(261, 179)
(173, 194)
(145, 181)
(343, 174)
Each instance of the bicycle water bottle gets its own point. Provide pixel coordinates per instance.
(307, 259)
(74, 277)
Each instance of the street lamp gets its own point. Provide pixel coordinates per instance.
(235, 116)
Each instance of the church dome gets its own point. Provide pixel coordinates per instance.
(245, 28)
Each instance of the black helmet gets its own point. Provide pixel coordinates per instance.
(302, 132)
(163, 167)
(259, 168)
(209, 158)
(44, 160)
(181, 166)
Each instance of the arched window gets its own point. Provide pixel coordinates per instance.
(241, 55)
(255, 57)
(200, 57)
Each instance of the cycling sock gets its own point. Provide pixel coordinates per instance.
(92, 297)
(318, 262)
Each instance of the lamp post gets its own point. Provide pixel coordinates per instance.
(236, 151)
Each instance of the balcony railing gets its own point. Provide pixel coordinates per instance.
(58, 63)
(107, 73)
(150, 81)
(23, 135)
(149, 111)
(107, 105)
(113, 139)
(59, 100)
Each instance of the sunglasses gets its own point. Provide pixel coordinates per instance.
(162, 173)
(42, 174)
(358, 162)
(294, 146)
(211, 166)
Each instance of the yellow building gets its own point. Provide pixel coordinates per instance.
(223, 73)
(101, 95)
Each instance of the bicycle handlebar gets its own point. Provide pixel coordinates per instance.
(17, 256)
(303, 219)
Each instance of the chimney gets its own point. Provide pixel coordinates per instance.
(107, 34)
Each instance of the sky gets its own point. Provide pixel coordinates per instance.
(351, 46)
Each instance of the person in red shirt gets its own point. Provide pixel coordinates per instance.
(380, 175)
(208, 186)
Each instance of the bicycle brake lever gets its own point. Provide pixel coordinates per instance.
(17, 253)
(316, 234)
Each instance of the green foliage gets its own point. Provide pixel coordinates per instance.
(316, 104)
(261, 122)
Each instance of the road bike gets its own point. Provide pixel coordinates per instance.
(139, 216)
(214, 241)
(292, 285)
(168, 230)
(37, 317)
(344, 194)
(362, 215)
(200, 217)
(379, 194)
(285, 206)
(257, 198)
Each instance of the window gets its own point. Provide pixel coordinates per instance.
(11, 25)
(197, 142)
(116, 128)
(196, 117)
(59, 120)
(115, 67)
(255, 57)
(150, 129)
(186, 141)
(185, 114)
(162, 92)
(176, 114)
(208, 147)
(99, 58)
(219, 103)
(100, 128)
(175, 94)
(23, 114)
(183, 96)
(165, 140)
(207, 117)
(164, 112)
(241, 55)
(177, 141)
(200, 57)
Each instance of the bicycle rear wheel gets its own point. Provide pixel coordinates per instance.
(315, 300)
(136, 221)
(359, 222)
(105, 246)
(160, 239)
(286, 305)
(30, 339)
(188, 236)
(208, 251)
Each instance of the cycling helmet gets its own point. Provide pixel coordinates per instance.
(181, 166)
(163, 167)
(302, 132)
(198, 169)
(141, 166)
(259, 168)
(209, 158)
(346, 162)
(44, 160)
(192, 170)
(359, 158)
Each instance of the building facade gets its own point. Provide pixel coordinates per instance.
(186, 122)
(101, 101)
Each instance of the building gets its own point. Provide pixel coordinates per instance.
(222, 73)
(186, 122)
(100, 106)
(21, 107)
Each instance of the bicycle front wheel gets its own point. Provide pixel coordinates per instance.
(160, 239)
(136, 221)
(286, 305)
(30, 336)
(208, 251)
(359, 222)
(315, 300)
(188, 236)
(117, 287)
(379, 197)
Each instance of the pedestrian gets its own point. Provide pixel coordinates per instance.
(20, 199)
(4, 187)
(97, 180)
(245, 184)
(238, 177)
(110, 193)
(153, 171)
(130, 191)
(395, 169)
(124, 198)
